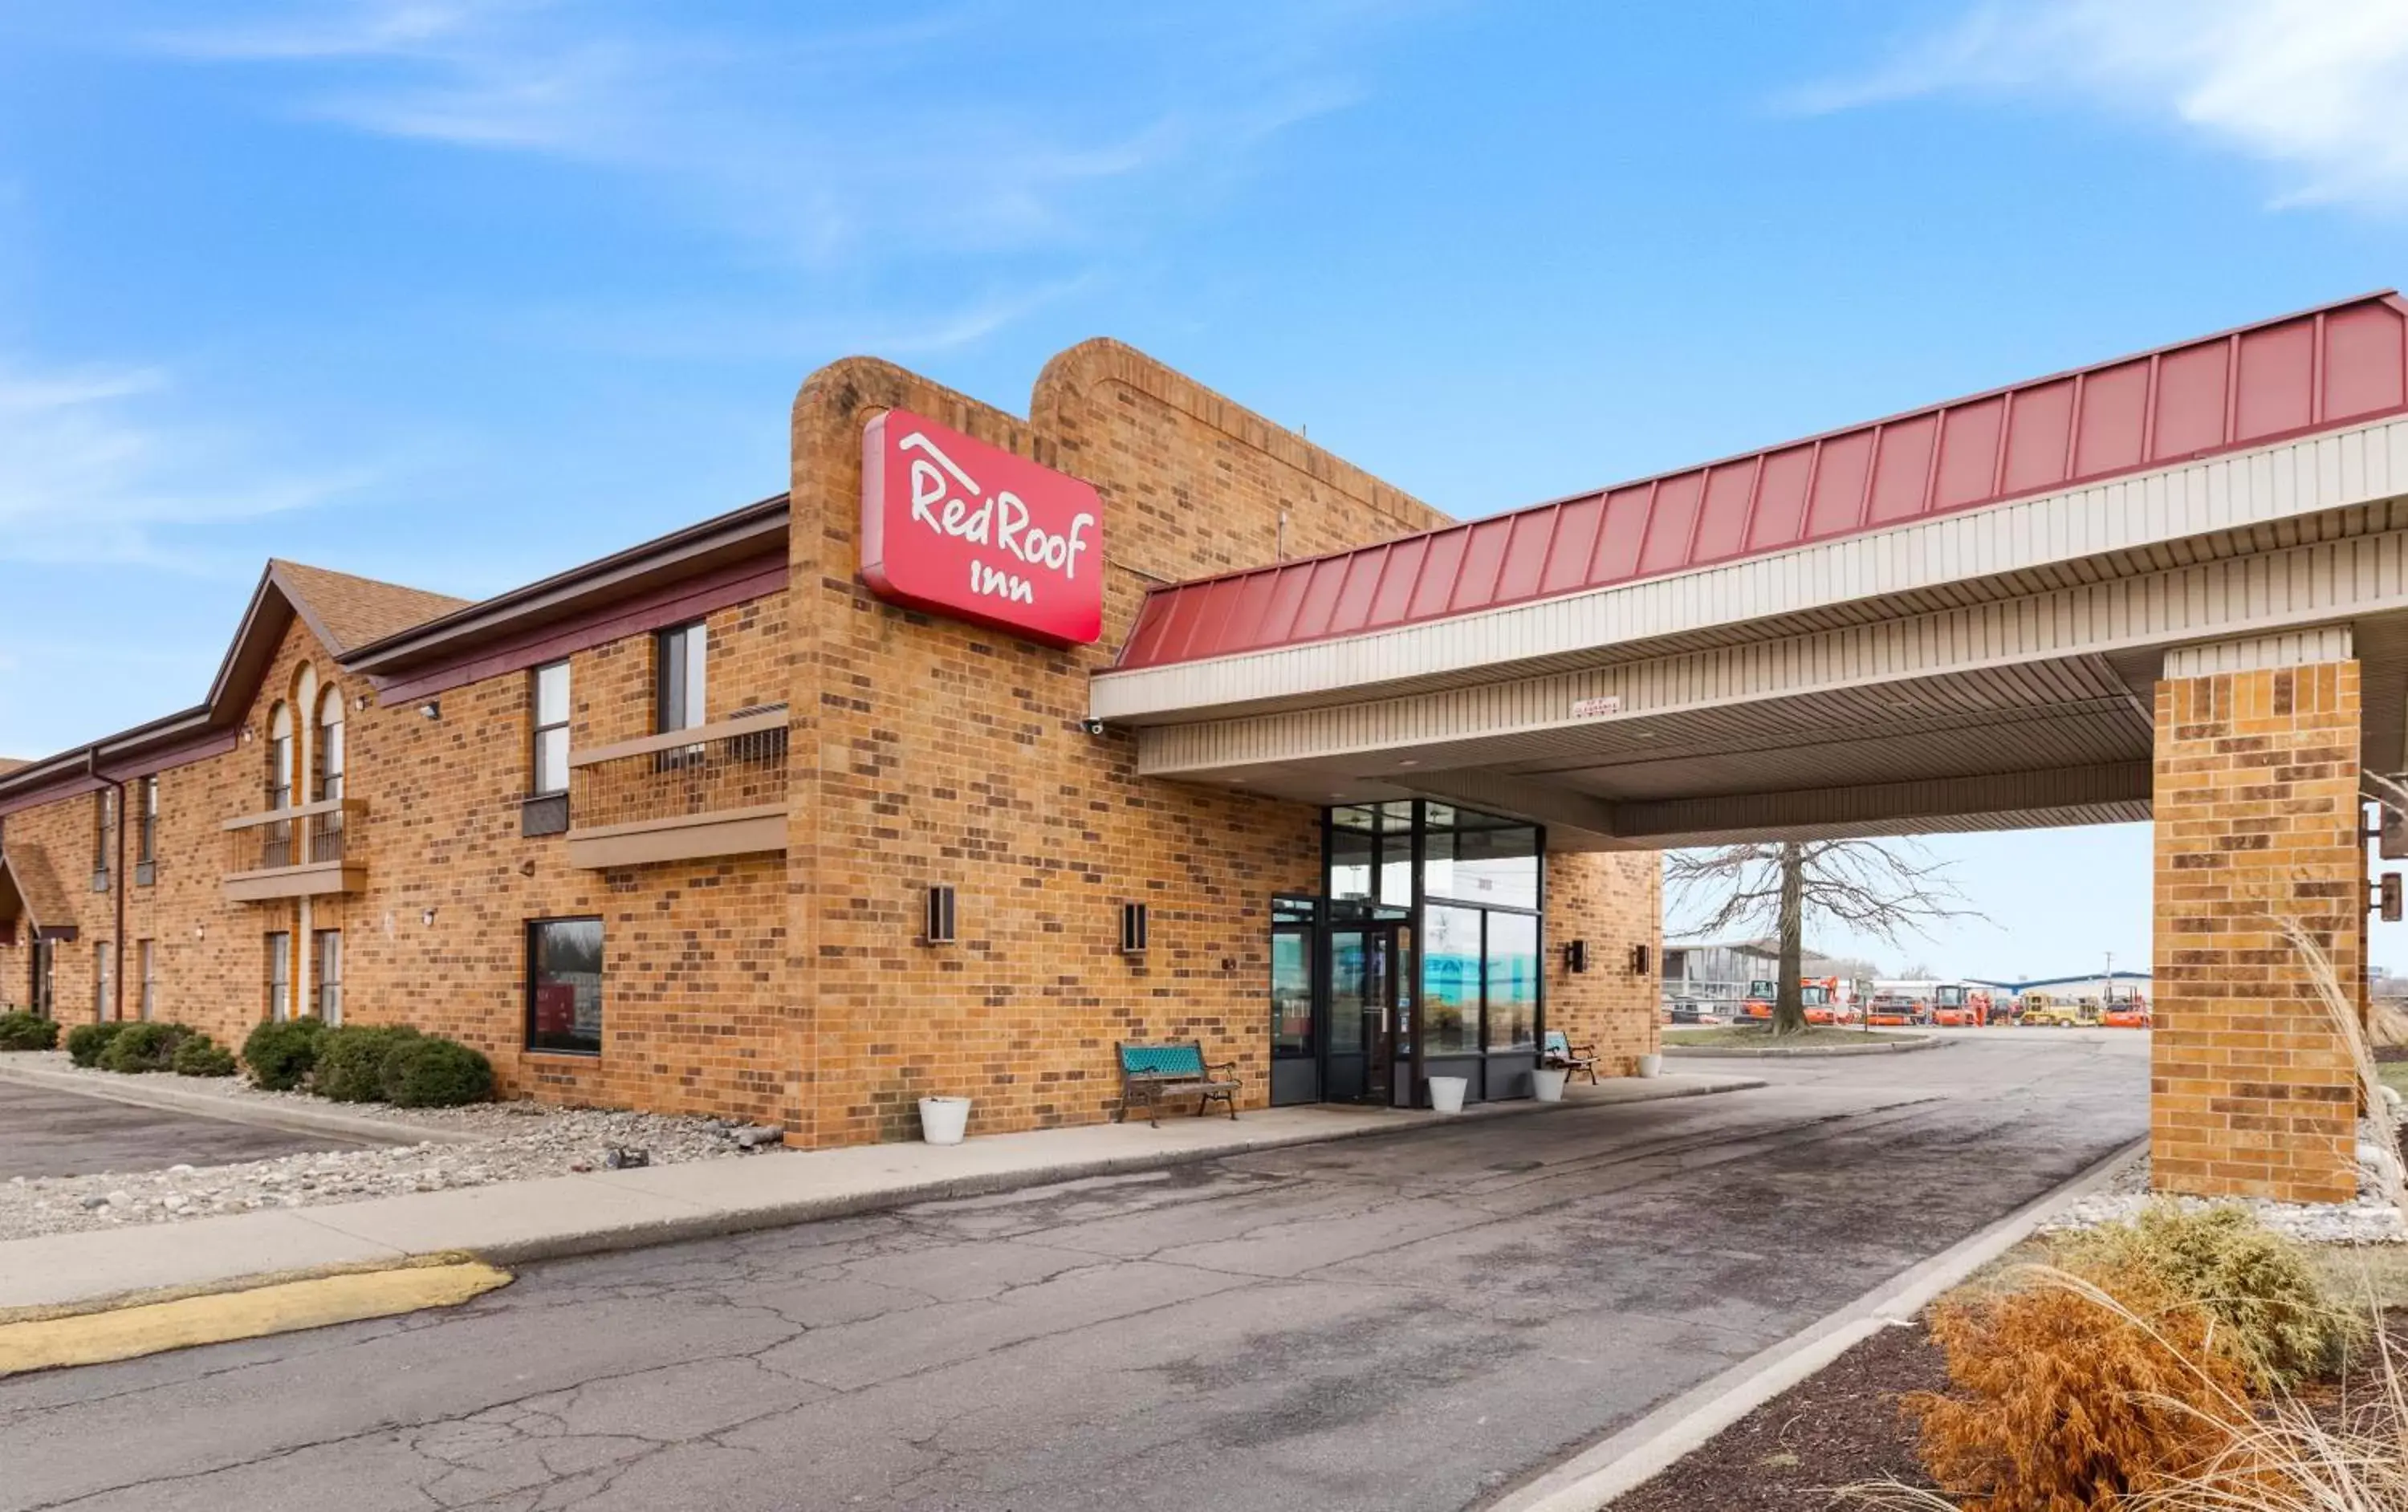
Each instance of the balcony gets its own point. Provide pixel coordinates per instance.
(717, 790)
(296, 852)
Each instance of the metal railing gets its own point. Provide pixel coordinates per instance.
(734, 766)
(319, 834)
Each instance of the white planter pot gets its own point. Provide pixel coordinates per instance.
(1447, 1093)
(1550, 1082)
(1650, 1065)
(943, 1120)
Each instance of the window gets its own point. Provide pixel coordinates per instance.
(280, 757)
(100, 997)
(1477, 859)
(563, 1003)
(145, 831)
(680, 660)
(146, 955)
(551, 755)
(329, 757)
(1451, 980)
(330, 976)
(279, 975)
(104, 836)
(1512, 960)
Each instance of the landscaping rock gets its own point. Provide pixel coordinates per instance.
(517, 1142)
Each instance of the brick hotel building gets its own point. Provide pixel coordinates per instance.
(687, 828)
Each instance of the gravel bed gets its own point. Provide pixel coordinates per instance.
(2371, 1218)
(523, 1141)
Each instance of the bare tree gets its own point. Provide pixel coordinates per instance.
(1886, 889)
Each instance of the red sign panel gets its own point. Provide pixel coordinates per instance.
(967, 530)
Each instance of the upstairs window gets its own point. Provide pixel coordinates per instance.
(145, 832)
(280, 757)
(551, 747)
(681, 701)
(330, 746)
(104, 836)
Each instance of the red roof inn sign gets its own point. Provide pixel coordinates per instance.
(967, 530)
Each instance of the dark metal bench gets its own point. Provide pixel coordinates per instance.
(1151, 1073)
(1561, 1051)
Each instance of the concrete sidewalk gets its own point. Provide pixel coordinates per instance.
(522, 1221)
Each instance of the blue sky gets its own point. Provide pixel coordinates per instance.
(462, 291)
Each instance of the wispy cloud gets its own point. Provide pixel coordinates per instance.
(2316, 87)
(833, 142)
(98, 468)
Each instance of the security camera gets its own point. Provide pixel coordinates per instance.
(1093, 726)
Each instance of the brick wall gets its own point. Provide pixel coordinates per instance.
(1613, 900)
(695, 951)
(943, 753)
(2257, 814)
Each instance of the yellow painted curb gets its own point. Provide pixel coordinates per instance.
(128, 1332)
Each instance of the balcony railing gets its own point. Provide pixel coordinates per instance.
(717, 790)
(296, 852)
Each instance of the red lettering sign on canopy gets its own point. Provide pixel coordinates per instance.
(960, 528)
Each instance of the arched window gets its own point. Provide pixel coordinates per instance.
(330, 745)
(280, 757)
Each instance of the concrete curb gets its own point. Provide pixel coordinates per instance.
(138, 1092)
(1637, 1453)
(1895, 1047)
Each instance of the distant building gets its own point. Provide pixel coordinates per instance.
(1720, 974)
(2098, 984)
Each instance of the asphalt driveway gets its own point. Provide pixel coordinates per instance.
(1404, 1322)
(46, 1132)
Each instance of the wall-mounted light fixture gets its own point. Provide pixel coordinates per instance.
(427, 919)
(1576, 956)
(200, 932)
(1638, 960)
(361, 701)
(940, 921)
(1133, 928)
(431, 709)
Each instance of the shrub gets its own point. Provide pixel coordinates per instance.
(86, 1041)
(282, 1055)
(2070, 1399)
(23, 1031)
(201, 1056)
(138, 1047)
(351, 1061)
(434, 1071)
(2271, 1311)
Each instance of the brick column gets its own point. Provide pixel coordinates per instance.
(2257, 808)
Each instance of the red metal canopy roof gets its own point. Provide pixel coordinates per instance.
(2317, 369)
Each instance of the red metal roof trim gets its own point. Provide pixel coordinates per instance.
(2321, 368)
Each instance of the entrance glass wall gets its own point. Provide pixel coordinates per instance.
(1428, 921)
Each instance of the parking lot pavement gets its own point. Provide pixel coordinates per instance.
(1400, 1322)
(45, 1133)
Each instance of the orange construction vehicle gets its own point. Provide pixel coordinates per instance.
(1961, 1006)
(2131, 1012)
(1819, 996)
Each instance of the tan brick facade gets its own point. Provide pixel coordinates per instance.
(796, 988)
(2257, 808)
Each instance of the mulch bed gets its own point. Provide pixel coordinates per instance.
(1843, 1427)
(1839, 1427)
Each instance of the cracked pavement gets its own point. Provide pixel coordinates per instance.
(1410, 1322)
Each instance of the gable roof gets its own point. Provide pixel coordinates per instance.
(344, 611)
(29, 888)
(340, 610)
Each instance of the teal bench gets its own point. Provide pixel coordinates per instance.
(1151, 1073)
(1560, 1051)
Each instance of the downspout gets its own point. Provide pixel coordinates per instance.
(116, 885)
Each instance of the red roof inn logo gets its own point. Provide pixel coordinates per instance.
(964, 529)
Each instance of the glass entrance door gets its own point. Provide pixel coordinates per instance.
(1296, 1037)
(1360, 1065)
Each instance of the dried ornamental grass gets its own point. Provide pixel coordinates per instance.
(2070, 1400)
